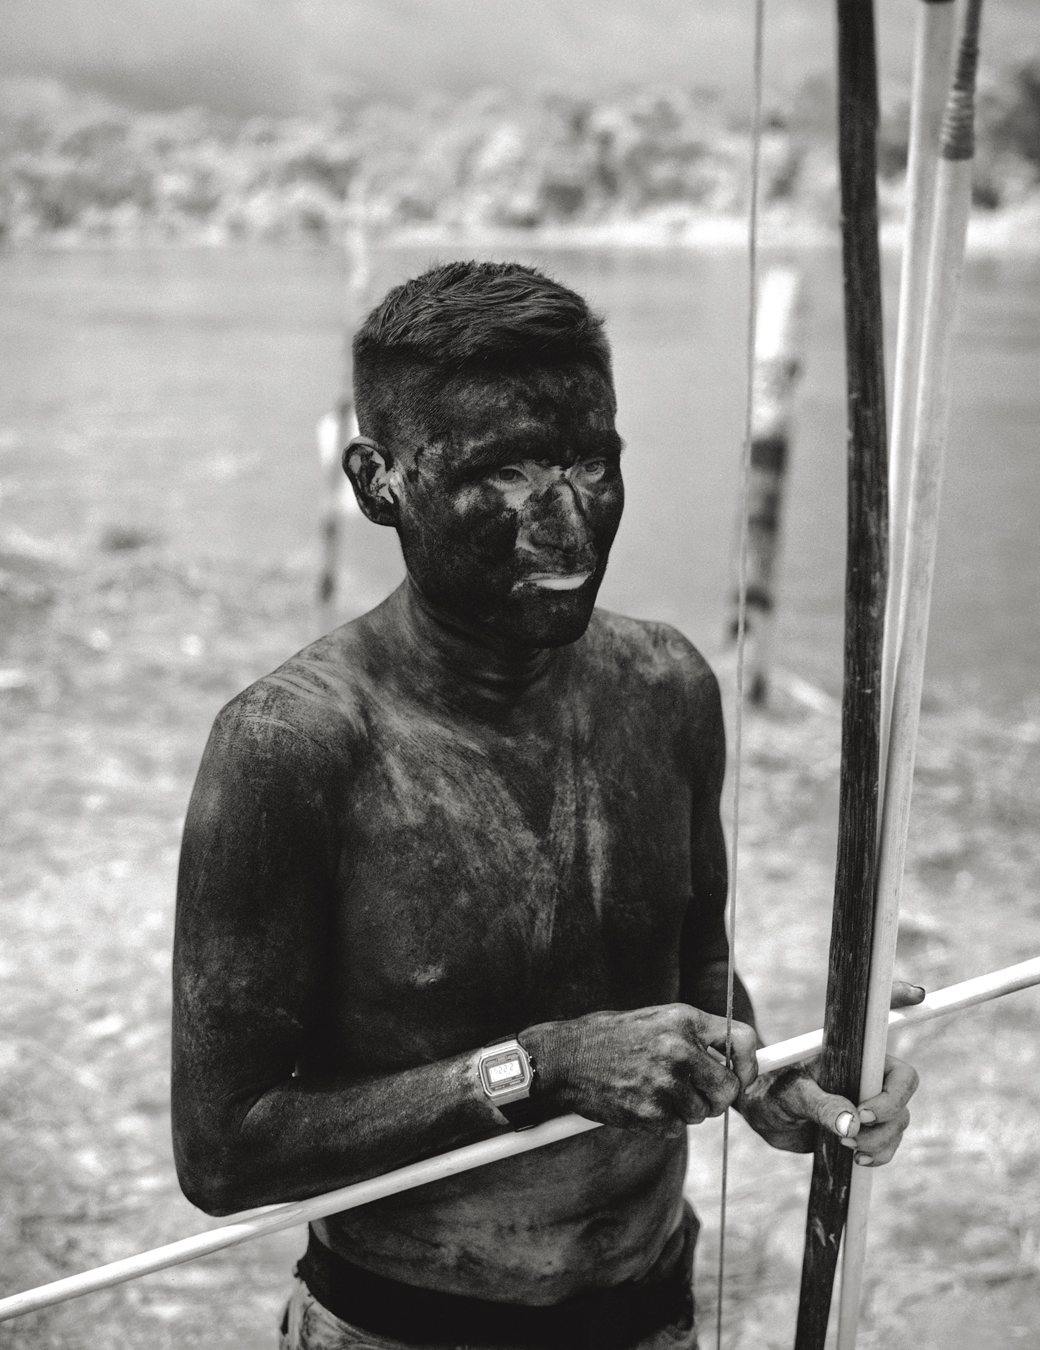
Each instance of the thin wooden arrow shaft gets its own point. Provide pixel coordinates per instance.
(931, 79)
(946, 263)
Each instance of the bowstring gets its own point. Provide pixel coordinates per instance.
(742, 574)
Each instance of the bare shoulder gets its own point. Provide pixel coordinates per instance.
(665, 693)
(665, 666)
(312, 711)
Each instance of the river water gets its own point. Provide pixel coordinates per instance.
(177, 391)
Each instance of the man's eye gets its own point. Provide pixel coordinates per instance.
(509, 473)
(593, 468)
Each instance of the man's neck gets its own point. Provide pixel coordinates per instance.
(458, 662)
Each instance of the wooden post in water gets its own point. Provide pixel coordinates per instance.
(335, 429)
(337, 504)
(777, 368)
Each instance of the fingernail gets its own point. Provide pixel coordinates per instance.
(918, 989)
(848, 1143)
(863, 1160)
(844, 1122)
(867, 1117)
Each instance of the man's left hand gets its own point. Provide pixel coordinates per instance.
(798, 1102)
(786, 1107)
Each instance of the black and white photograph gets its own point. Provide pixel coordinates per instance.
(519, 698)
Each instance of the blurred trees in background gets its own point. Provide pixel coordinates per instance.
(76, 168)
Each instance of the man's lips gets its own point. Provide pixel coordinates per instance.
(556, 581)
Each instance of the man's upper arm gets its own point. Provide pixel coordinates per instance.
(704, 938)
(254, 917)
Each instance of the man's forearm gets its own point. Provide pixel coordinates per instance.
(306, 1135)
(303, 1137)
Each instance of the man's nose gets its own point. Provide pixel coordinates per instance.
(554, 519)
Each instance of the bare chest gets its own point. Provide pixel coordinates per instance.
(491, 882)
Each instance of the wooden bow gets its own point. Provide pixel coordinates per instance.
(864, 936)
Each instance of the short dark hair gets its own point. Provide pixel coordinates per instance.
(465, 318)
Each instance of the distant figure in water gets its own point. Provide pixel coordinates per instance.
(458, 867)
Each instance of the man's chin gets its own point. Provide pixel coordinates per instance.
(549, 618)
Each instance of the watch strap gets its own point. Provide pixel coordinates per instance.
(522, 1114)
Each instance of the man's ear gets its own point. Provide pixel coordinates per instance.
(370, 470)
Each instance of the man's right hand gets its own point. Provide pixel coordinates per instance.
(657, 1069)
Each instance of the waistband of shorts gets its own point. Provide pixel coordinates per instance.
(613, 1318)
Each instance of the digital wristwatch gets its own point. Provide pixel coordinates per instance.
(506, 1073)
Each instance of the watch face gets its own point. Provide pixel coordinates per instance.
(504, 1072)
(509, 1071)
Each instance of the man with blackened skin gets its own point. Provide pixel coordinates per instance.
(458, 866)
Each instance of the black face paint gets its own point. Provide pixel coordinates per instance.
(506, 521)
